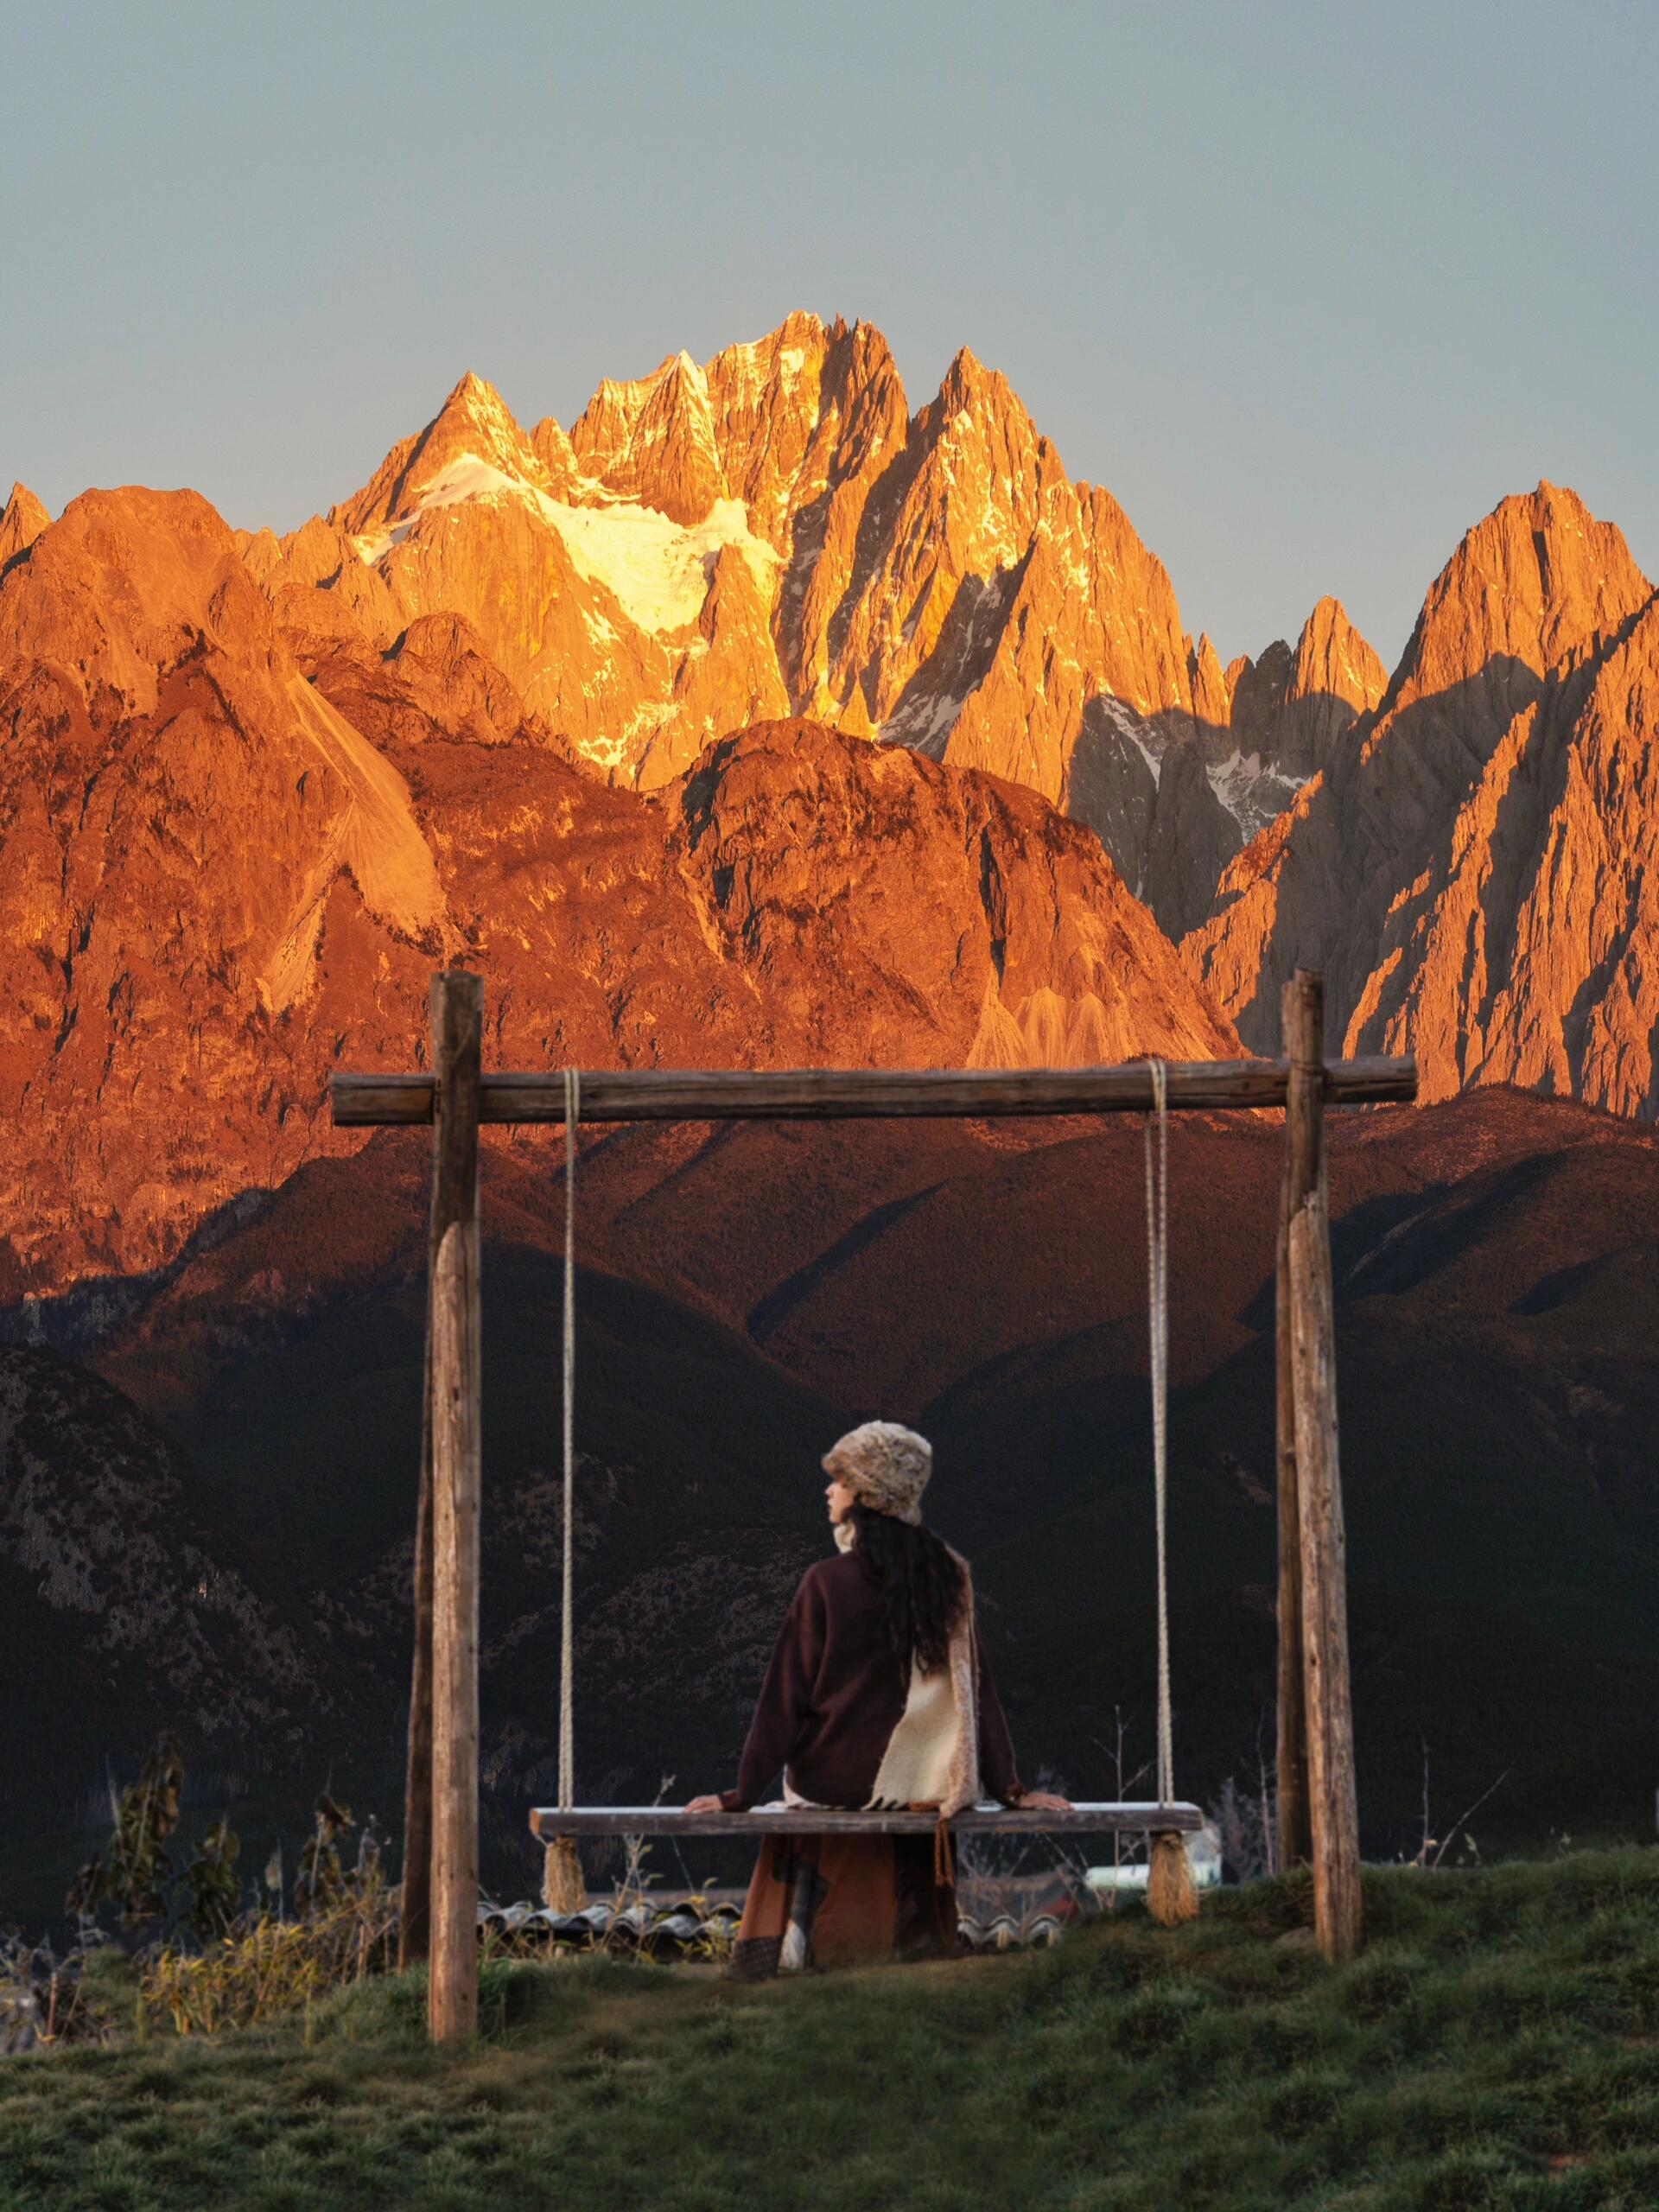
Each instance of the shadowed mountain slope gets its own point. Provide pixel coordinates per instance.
(743, 1295)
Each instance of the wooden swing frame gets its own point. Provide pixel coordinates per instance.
(1317, 1815)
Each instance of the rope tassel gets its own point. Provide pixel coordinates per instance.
(1171, 1894)
(563, 1890)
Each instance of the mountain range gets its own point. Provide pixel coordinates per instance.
(757, 720)
(576, 618)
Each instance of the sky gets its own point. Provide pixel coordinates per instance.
(1310, 288)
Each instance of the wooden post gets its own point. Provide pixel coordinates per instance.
(1333, 1801)
(415, 1913)
(457, 1036)
(1302, 1018)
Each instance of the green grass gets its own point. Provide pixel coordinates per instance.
(1497, 2044)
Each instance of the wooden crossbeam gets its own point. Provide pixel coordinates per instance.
(547, 1822)
(832, 1094)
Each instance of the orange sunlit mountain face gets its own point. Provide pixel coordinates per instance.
(254, 787)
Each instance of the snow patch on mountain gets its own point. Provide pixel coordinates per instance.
(659, 570)
(1253, 795)
(1149, 742)
(921, 722)
(467, 478)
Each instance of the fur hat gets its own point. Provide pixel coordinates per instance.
(885, 1466)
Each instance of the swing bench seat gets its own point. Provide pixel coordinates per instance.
(548, 1822)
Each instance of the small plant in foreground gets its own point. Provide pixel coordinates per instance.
(133, 1872)
(211, 1879)
(212, 1962)
(260, 1965)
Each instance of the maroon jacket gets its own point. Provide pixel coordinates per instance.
(833, 1697)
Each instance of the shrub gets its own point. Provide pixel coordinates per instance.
(263, 1967)
(211, 1964)
(132, 1873)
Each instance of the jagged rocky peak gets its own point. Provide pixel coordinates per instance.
(978, 414)
(1525, 950)
(1332, 659)
(472, 444)
(1290, 705)
(1257, 688)
(970, 383)
(654, 441)
(860, 362)
(746, 426)
(951, 541)
(22, 520)
(1212, 686)
(550, 444)
(766, 399)
(860, 431)
(1134, 603)
(773, 531)
(1537, 580)
(979, 478)
(1470, 869)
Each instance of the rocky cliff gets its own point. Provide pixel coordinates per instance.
(772, 532)
(220, 878)
(252, 788)
(22, 520)
(1470, 866)
(1287, 710)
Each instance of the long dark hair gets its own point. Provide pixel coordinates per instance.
(920, 1582)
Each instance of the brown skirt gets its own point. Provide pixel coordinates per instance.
(843, 1900)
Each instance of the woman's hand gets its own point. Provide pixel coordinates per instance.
(1042, 1800)
(705, 1805)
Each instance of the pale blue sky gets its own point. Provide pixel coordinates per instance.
(1309, 288)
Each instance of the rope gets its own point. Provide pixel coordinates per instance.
(1158, 1315)
(567, 1643)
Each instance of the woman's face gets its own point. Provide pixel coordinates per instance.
(839, 1499)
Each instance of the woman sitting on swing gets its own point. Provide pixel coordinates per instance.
(876, 1697)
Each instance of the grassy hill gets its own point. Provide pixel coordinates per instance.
(1496, 2045)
